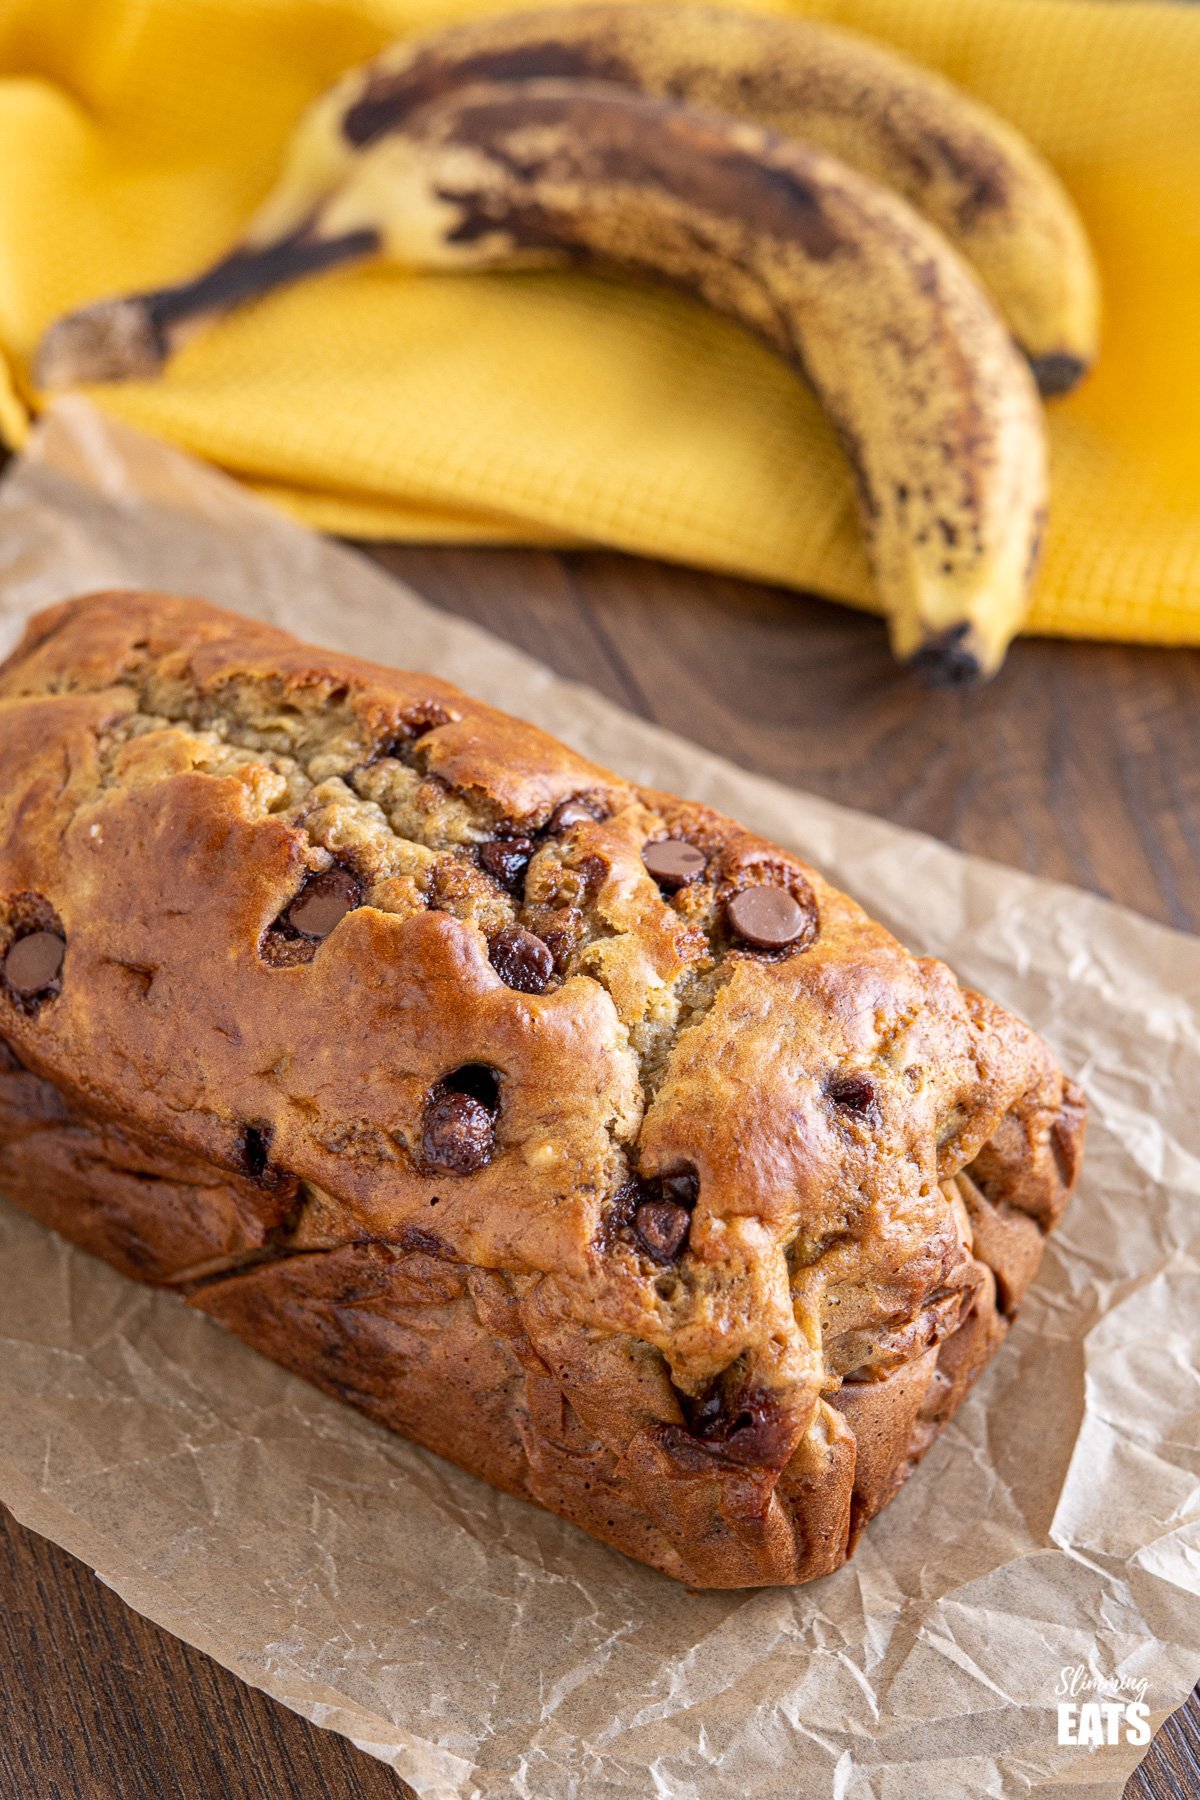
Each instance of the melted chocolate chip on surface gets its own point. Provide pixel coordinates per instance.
(459, 1130)
(854, 1093)
(458, 1134)
(34, 963)
(621, 1208)
(255, 1154)
(521, 959)
(745, 1427)
(323, 902)
(568, 813)
(662, 1207)
(662, 1228)
(706, 1414)
(769, 918)
(673, 862)
(256, 1148)
(506, 860)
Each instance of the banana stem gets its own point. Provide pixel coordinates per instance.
(132, 337)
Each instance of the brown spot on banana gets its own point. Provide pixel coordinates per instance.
(541, 136)
(963, 168)
(387, 98)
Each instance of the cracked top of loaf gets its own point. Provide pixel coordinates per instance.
(351, 929)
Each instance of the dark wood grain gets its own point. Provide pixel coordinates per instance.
(1170, 1769)
(98, 1704)
(1080, 761)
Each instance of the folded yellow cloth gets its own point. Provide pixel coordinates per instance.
(137, 135)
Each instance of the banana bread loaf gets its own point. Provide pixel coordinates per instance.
(561, 1125)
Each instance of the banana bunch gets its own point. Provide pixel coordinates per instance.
(901, 247)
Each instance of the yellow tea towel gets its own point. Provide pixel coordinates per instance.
(137, 135)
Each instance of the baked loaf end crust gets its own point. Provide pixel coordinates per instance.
(387, 1030)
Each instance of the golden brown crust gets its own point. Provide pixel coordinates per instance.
(456, 1202)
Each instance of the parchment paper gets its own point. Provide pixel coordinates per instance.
(485, 1649)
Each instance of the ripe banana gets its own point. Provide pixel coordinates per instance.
(959, 165)
(937, 410)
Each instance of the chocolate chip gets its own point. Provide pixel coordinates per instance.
(656, 1210)
(747, 1426)
(662, 1217)
(255, 1156)
(663, 1228)
(673, 862)
(256, 1145)
(458, 1134)
(854, 1093)
(620, 1210)
(34, 963)
(506, 860)
(568, 813)
(323, 902)
(706, 1413)
(768, 917)
(521, 959)
(460, 1120)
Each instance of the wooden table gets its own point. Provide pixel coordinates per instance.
(1081, 762)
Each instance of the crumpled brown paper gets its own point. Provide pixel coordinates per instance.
(476, 1644)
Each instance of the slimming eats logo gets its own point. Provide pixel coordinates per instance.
(1101, 1710)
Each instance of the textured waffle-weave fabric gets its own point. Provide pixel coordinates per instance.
(136, 136)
